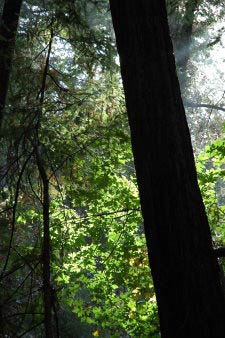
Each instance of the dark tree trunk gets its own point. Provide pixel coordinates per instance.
(185, 271)
(47, 289)
(8, 29)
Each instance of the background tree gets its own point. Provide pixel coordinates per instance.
(196, 31)
(8, 29)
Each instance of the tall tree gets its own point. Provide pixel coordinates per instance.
(8, 29)
(184, 269)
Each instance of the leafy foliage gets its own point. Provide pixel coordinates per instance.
(211, 175)
(100, 276)
(100, 269)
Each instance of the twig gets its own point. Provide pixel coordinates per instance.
(14, 212)
(203, 105)
(30, 329)
(20, 285)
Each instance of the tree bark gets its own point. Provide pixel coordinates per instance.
(8, 29)
(185, 271)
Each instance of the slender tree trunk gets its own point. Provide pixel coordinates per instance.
(47, 290)
(8, 29)
(185, 271)
(46, 254)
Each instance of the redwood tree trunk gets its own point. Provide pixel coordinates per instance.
(8, 28)
(185, 271)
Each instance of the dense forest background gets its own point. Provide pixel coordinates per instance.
(70, 222)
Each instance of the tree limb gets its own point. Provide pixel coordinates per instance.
(203, 105)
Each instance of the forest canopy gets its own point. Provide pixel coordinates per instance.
(73, 250)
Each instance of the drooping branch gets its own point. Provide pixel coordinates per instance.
(14, 209)
(8, 29)
(30, 329)
(203, 105)
(21, 283)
